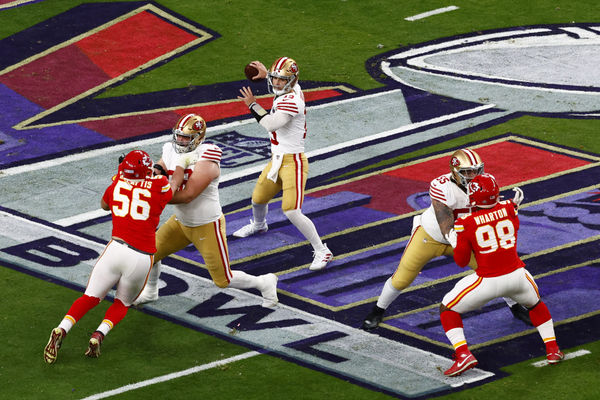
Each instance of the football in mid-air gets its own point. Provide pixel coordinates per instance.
(251, 71)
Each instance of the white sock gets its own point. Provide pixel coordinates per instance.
(388, 294)
(105, 327)
(259, 213)
(67, 323)
(456, 336)
(242, 280)
(306, 227)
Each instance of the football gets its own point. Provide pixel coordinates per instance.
(251, 71)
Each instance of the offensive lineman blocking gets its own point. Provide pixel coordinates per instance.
(432, 232)
(198, 217)
(288, 168)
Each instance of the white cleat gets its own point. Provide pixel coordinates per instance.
(251, 229)
(269, 294)
(322, 258)
(148, 295)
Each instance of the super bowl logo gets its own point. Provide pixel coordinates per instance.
(455, 162)
(503, 68)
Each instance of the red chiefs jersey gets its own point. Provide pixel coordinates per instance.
(136, 209)
(492, 235)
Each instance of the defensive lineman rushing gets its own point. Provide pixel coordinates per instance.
(198, 216)
(288, 168)
(490, 232)
(135, 200)
(433, 233)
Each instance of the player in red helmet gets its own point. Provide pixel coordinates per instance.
(490, 232)
(432, 233)
(135, 199)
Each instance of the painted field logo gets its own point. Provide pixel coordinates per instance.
(533, 69)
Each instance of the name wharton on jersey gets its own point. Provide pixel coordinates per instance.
(241, 150)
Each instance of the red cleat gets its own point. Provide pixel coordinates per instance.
(555, 357)
(462, 362)
(94, 345)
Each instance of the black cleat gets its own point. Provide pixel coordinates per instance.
(521, 313)
(373, 319)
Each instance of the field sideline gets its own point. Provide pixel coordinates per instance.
(390, 91)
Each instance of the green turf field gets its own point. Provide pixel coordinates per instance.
(331, 40)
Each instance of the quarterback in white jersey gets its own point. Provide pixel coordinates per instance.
(433, 233)
(198, 216)
(288, 168)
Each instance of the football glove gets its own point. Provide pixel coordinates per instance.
(518, 199)
(186, 159)
(451, 237)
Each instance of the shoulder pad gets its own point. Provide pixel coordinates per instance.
(211, 152)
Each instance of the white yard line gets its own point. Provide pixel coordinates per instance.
(568, 356)
(171, 376)
(430, 13)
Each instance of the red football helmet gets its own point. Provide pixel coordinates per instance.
(137, 164)
(484, 191)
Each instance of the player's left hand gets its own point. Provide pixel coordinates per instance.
(247, 96)
(518, 199)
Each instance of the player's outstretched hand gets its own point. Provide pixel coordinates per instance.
(451, 237)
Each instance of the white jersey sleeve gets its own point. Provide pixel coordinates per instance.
(206, 207)
(289, 139)
(444, 190)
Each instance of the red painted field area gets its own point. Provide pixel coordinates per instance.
(510, 162)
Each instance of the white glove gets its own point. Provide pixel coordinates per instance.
(186, 159)
(518, 199)
(451, 237)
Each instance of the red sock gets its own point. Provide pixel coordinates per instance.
(82, 305)
(450, 320)
(116, 312)
(539, 314)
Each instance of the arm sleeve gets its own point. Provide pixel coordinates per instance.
(274, 121)
(462, 252)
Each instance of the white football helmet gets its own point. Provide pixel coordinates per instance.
(190, 126)
(465, 165)
(284, 68)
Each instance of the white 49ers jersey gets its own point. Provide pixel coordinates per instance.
(205, 208)
(289, 139)
(444, 190)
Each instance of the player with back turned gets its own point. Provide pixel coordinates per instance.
(490, 232)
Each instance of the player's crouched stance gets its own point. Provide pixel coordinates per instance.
(135, 200)
(490, 232)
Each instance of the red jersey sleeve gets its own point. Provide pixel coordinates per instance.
(462, 252)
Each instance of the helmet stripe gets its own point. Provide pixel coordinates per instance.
(184, 120)
(471, 156)
(279, 63)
